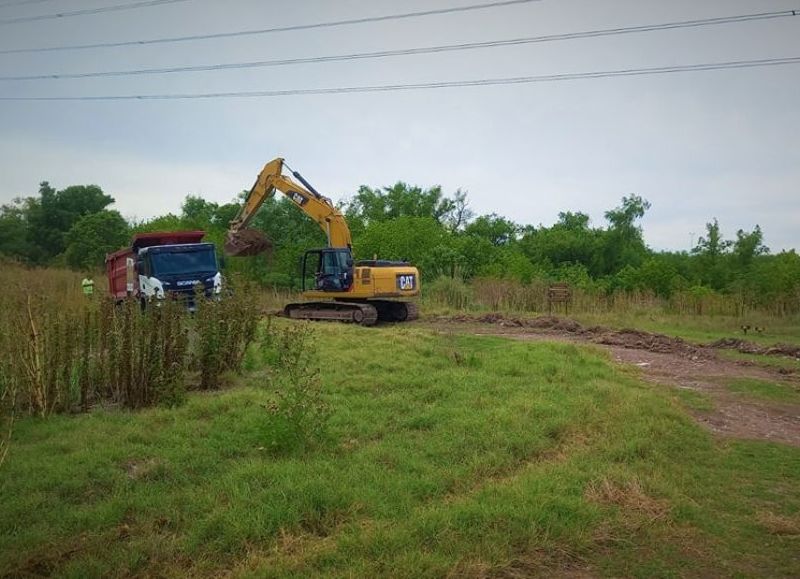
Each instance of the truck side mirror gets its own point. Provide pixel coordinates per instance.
(222, 261)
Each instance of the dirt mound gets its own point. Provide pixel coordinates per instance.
(742, 346)
(541, 323)
(783, 350)
(556, 324)
(639, 340)
(746, 347)
(632, 339)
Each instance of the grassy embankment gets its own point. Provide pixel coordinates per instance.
(445, 454)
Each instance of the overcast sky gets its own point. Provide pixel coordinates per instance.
(722, 144)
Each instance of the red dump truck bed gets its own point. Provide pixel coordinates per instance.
(117, 262)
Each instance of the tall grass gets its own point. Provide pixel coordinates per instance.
(298, 402)
(510, 295)
(223, 330)
(61, 351)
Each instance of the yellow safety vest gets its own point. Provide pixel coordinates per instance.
(88, 286)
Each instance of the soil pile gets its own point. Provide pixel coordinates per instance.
(746, 347)
(640, 340)
(633, 339)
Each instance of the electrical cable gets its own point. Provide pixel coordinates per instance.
(21, 2)
(87, 11)
(737, 64)
(290, 28)
(409, 51)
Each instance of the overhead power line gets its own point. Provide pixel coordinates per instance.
(22, 2)
(409, 51)
(291, 28)
(87, 11)
(736, 64)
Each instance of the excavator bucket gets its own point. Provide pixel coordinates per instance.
(246, 242)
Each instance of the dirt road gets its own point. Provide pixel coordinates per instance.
(672, 362)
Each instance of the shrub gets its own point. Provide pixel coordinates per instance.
(223, 330)
(299, 407)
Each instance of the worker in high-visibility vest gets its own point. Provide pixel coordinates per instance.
(88, 286)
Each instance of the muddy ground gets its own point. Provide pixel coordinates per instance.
(672, 362)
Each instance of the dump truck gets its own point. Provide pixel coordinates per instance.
(160, 265)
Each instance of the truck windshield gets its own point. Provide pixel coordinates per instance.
(184, 262)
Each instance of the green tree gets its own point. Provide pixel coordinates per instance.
(712, 245)
(93, 236)
(569, 240)
(748, 246)
(460, 213)
(421, 240)
(168, 222)
(623, 243)
(495, 229)
(402, 200)
(711, 251)
(508, 262)
(14, 238)
(53, 213)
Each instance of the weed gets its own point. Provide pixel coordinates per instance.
(224, 330)
(299, 404)
(450, 292)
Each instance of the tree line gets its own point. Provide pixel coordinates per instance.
(440, 233)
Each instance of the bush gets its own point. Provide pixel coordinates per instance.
(223, 330)
(299, 408)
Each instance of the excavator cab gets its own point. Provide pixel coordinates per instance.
(328, 270)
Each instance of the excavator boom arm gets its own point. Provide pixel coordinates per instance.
(317, 207)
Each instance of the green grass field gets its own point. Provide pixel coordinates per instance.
(765, 390)
(446, 454)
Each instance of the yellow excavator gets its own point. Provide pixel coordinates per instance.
(337, 288)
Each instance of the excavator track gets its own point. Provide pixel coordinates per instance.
(413, 311)
(348, 312)
(392, 311)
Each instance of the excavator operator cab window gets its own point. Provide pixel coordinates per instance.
(332, 270)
